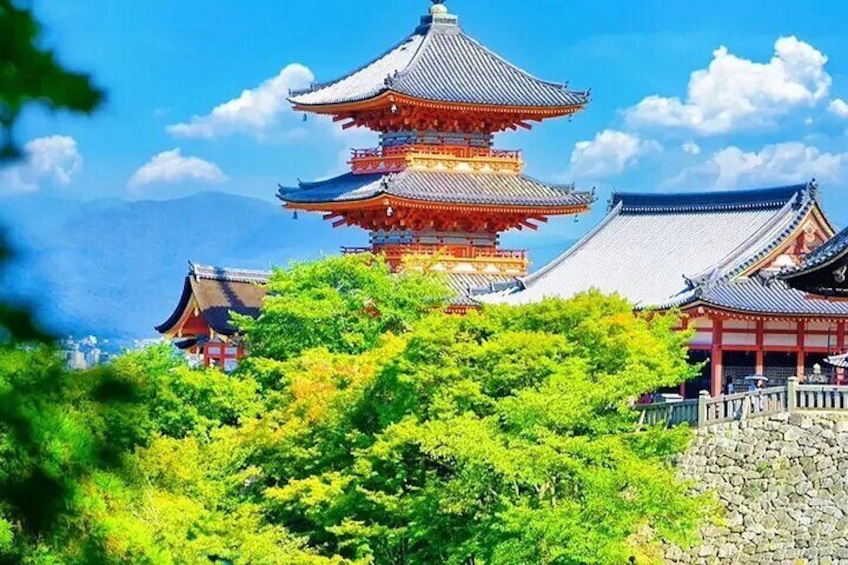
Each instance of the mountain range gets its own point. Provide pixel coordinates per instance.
(114, 268)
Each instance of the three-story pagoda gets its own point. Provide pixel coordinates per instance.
(436, 193)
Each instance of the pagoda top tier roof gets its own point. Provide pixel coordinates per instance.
(438, 62)
(437, 187)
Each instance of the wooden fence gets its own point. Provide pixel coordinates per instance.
(706, 411)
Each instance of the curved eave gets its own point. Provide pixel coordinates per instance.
(826, 292)
(384, 200)
(169, 325)
(184, 311)
(388, 97)
(760, 314)
(818, 267)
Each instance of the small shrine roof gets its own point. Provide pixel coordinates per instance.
(662, 250)
(219, 291)
(493, 189)
(216, 292)
(439, 62)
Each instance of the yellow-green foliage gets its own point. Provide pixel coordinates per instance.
(504, 437)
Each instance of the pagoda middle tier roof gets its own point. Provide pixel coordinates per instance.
(439, 62)
(458, 188)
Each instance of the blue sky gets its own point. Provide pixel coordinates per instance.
(686, 95)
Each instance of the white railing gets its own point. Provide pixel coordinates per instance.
(707, 411)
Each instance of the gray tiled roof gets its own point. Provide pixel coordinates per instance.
(756, 295)
(439, 62)
(466, 285)
(229, 275)
(658, 250)
(832, 250)
(432, 186)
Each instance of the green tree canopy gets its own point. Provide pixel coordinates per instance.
(500, 438)
(503, 437)
(344, 304)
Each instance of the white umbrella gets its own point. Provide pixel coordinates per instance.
(840, 361)
(756, 378)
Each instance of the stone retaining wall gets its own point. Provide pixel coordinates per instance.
(783, 481)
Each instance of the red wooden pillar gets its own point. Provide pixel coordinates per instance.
(840, 342)
(685, 324)
(802, 344)
(760, 368)
(716, 360)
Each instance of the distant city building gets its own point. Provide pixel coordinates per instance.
(91, 351)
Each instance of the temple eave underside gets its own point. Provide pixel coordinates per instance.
(394, 113)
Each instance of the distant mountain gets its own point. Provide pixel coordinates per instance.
(115, 268)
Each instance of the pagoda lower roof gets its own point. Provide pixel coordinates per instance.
(669, 250)
(439, 62)
(458, 188)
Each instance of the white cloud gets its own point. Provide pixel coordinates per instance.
(171, 166)
(608, 154)
(838, 107)
(735, 93)
(777, 164)
(53, 159)
(691, 148)
(254, 112)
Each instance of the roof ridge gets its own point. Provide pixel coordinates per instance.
(735, 254)
(316, 86)
(432, 31)
(721, 200)
(802, 210)
(211, 272)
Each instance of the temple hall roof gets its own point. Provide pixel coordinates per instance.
(215, 292)
(773, 296)
(493, 189)
(826, 254)
(666, 250)
(824, 270)
(439, 62)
